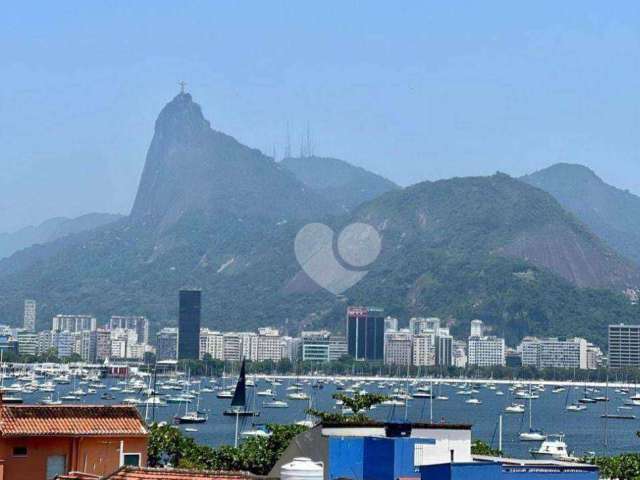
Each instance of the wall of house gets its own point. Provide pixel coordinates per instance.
(96, 455)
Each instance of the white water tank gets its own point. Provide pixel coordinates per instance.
(302, 468)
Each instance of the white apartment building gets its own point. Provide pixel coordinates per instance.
(398, 348)
(424, 351)
(73, 323)
(554, 352)
(212, 343)
(232, 346)
(459, 354)
(486, 351)
(390, 323)
(477, 328)
(269, 345)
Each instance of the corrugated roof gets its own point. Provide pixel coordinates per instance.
(139, 473)
(67, 420)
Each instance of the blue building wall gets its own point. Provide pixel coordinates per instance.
(373, 458)
(495, 471)
(346, 455)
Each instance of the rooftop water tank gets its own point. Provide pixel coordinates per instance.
(302, 468)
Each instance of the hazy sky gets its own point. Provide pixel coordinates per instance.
(411, 90)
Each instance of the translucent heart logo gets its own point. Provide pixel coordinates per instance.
(337, 267)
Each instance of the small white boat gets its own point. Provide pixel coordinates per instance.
(514, 408)
(275, 404)
(473, 401)
(533, 436)
(305, 423)
(298, 396)
(576, 407)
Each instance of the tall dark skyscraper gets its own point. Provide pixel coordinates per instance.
(365, 333)
(189, 324)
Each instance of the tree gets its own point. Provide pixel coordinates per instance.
(168, 446)
(478, 447)
(358, 404)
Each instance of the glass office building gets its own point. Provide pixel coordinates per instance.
(189, 324)
(365, 333)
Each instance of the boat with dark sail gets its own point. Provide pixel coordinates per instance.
(239, 401)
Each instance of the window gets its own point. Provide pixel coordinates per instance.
(131, 459)
(56, 465)
(19, 451)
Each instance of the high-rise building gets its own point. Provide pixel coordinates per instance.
(444, 349)
(137, 323)
(554, 352)
(167, 344)
(189, 324)
(624, 346)
(365, 333)
(212, 344)
(337, 347)
(459, 354)
(316, 346)
(73, 323)
(232, 346)
(486, 351)
(390, 323)
(63, 342)
(417, 325)
(477, 328)
(398, 348)
(30, 315)
(27, 343)
(103, 344)
(269, 345)
(424, 351)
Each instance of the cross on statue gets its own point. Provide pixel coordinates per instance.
(182, 85)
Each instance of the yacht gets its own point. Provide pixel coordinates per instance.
(265, 393)
(473, 401)
(554, 448)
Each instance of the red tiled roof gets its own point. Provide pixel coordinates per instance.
(139, 473)
(67, 420)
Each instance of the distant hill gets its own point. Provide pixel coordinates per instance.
(215, 214)
(343, 184)
(611, 213)
(51, 229)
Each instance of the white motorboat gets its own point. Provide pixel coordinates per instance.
(473, 401)
(576, 407)
(554, 448)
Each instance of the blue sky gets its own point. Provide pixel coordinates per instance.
(411, 90)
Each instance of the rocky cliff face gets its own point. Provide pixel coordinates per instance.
(192, 168)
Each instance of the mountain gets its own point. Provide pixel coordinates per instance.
(337, 181)
(611, 213)
(51, 229)
(192, 168)
(218, 215)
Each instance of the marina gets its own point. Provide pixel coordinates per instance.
(605, 425)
